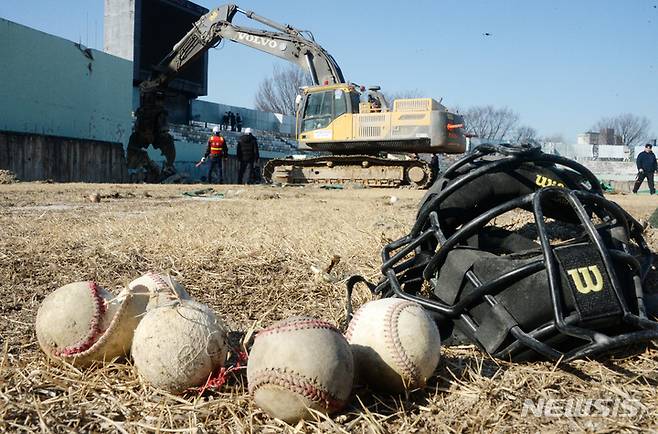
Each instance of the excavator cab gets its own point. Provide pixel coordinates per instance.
(325, 112)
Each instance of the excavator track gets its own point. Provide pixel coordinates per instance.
(343, 169)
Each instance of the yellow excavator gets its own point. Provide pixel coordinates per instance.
(362, 138)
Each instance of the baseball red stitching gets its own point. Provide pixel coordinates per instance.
(352, 326)
(107, 334)
(297, 383)
(160, 283)
(94, 327)
(300, 324)
(394, 345)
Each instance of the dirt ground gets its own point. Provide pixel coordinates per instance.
(250, 255)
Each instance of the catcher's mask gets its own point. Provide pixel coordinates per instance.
(566, 284)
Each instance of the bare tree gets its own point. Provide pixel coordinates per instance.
(633, 129)
(403, 94)
(524, 134)
(277, 93)
(553, 138)
(490, 123)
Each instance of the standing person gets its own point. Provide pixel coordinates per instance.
(225, 121)
(247, 155)
(238, 122)
(646, 166)
(435, 166)
(231, 120)
(217, 151)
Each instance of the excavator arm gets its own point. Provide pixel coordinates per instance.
(284, 41)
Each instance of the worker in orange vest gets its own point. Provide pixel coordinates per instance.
(216, 151)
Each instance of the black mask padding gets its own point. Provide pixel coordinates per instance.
(494, 188)
(500, 241)
(413, 276)
(525, 302)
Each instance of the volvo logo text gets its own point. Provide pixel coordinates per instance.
(258, 40)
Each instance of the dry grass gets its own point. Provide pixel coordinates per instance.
(7, 177)
(250, 257)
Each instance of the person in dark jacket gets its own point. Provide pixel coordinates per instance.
(646, 166)
(224, 124)
(238, 122)
(247, 155)
(231, 120)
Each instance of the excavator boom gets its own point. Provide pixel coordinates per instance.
(284, 42)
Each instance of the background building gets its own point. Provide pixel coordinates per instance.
(66, 111)
(588, 138)
(144, 32)
(64, 108)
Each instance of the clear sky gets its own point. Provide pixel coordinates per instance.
(561, 64)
